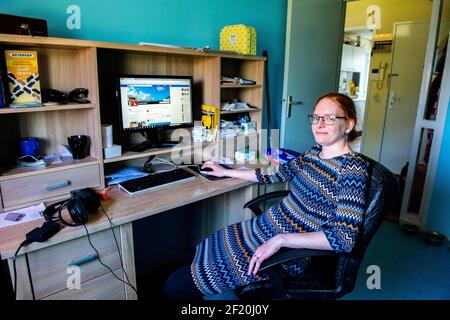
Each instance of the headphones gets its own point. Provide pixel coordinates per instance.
(81, 202)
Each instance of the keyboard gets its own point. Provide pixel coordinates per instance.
(156, 181)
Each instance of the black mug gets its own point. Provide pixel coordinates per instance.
(79, 146)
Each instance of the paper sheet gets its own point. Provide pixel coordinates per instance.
(19, 216)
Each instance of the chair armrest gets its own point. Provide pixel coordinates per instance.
(253, 204)
(291, 254)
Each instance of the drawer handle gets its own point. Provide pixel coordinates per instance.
(57, 185)
(83, 260)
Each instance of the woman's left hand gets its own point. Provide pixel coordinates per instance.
(266, 250)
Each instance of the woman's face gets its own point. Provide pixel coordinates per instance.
(330, 134)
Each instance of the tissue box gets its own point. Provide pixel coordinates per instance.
(113, 151)
(244, 155)
(238, 38)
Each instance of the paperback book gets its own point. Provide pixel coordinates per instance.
(23, 78)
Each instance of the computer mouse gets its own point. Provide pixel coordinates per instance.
(205, 170)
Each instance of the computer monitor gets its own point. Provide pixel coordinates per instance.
(148, 103)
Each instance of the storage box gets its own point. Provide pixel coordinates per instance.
(113, 151)
(238, 38)
(244, 155)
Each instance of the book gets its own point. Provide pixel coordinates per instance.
(25, 105)
(210, 116)
(23, 78)
(210, 119)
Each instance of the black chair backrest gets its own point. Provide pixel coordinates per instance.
(381, 192)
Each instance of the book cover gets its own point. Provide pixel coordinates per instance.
(210, 116)
(23, 78)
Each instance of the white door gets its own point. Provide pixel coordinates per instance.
(409, 45)
(314, 36)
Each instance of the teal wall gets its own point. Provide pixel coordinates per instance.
(193, 23)
(439, 213)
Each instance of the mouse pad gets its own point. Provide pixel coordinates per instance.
(211, 178)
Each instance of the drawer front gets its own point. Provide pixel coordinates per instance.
(51, 184)
(105, 287)
(52, 268)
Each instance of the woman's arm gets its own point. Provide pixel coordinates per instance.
(268, 175)
(307, 240)
(219, 171)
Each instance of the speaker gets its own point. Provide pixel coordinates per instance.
(79, 205)
(23, 25)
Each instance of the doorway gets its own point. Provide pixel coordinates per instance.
(354, 72)
(397, 131)
(403, 85)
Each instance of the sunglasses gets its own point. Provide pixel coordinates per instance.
(78, 95)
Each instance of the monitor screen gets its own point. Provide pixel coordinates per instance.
(148, 102)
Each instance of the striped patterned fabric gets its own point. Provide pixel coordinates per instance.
(326, 195)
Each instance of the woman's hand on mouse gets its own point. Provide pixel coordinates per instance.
(217, 171)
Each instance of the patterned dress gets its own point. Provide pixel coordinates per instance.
(326, 195)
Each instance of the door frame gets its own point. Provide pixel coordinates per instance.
(437, 125)
(389, 81)
(287, 50)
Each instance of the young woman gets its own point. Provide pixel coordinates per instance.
(323, 210)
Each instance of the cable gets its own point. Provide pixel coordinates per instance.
(24, 243)
(118, 249)
(101, 262)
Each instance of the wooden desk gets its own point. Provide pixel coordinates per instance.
(42, 267)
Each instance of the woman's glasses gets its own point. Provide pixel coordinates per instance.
(328, 119)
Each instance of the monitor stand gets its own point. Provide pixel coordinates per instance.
(152, 141)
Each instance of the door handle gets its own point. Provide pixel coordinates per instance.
(392, 99)
(290, 103)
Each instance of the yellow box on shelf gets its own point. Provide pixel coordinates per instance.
(238, 38)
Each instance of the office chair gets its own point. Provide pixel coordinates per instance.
(330, 275)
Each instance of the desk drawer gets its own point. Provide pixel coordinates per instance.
(105, 287)
(47, 185)
(49, 267)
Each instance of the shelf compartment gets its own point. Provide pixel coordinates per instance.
(70, 106)
(130, 155)
(16, 171)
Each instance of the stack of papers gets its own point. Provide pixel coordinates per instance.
(124, 174)
(18, 216)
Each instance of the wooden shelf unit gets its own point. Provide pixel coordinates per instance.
(66, 64)
(251, 94)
